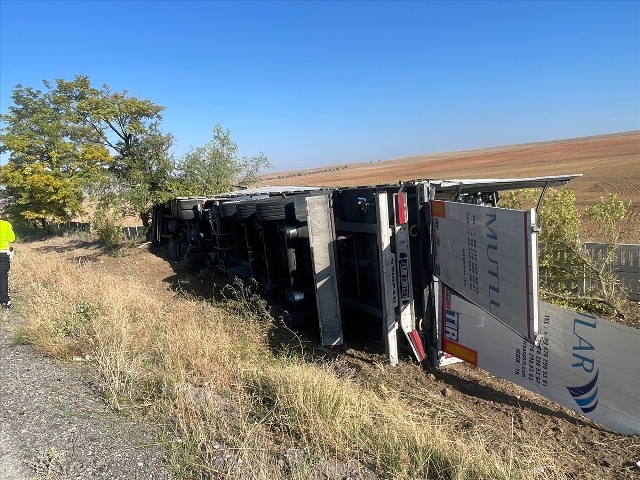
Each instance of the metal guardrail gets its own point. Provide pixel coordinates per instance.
(128, 232)
(627, 266)
(133, 232)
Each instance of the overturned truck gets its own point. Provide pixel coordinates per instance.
(432, 268)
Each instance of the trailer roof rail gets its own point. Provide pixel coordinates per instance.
(499, 184)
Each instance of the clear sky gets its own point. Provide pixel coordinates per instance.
(315, 83)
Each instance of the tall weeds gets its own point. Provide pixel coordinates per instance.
(233, 407)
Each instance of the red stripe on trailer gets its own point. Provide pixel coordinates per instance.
(417, 345)
(526, 276)
(442, 307)
(402, 216)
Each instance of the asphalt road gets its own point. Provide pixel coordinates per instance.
(54, 426)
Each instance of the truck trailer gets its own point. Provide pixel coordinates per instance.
(426, 267)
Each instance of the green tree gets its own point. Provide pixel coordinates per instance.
(116, 120)
(50, 162)
(564, 262)
(216, 167)
(601, 265)
(140, 173)
(608, 214)
(144, 179)
(560, 256)
(73, 139)
(87, 140)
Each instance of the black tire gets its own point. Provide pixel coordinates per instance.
(187, 215)
(173, 250)
(246, 210)
(185, 208)
(271, 209)
(156, 226)
(228, 209)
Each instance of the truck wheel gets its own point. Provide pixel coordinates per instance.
(185, 208)
(246, 210)
(271, 209)
(228, 209)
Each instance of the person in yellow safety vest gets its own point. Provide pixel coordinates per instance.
(6, 237)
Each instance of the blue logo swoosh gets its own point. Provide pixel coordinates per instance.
(586, 396)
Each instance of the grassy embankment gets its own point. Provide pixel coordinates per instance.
(232, 405)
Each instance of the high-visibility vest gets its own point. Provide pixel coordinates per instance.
(6, 235)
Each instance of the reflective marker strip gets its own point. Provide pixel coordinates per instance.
(438, 209)
(402, 216)
(460, 351)
(417, 345)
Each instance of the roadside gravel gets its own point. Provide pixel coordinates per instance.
(54, 426)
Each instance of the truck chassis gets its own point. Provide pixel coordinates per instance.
(358, 259)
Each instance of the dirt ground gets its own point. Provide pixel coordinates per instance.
(487, 404)
(516, 421)
(54, 426)
(609, 164)
(512, 419)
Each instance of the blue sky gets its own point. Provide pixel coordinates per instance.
(316, 83)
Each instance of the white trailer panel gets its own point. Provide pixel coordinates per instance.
(389, 289)
(587, 364)
(489, 255)
(321, 238)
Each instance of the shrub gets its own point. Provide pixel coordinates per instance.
(564, 263)
(106, 225)
(601, 266)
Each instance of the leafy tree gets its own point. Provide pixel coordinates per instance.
(141, 168)
(88, 140)
(216, 167)
(116, 120)
(49, 161)
(564, 262)
(74, 139)
(146, 179)
(608, 214)
(601, 265)
(36, 194)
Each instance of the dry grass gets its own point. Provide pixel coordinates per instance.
(233, 407)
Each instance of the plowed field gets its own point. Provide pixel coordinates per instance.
(609, 164)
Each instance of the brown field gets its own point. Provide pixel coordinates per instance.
(609, 164)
